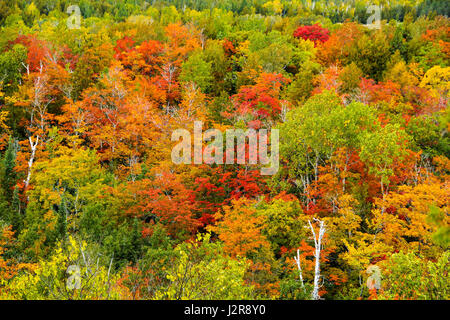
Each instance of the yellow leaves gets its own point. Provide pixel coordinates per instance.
(70, 168)
(361, 248)
(3, 118)
(437, 78)
(400, 73)
(193, 105)
(415, 69)
(275, 6)
(201, 271)
(244, 47)
(404, 224)
(4, 130)
(347, 219)
(360, 254)
(48, 279)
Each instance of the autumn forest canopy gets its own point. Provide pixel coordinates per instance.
(93, 207)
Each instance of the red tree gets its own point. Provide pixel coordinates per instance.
(37, 50)
(314, 33)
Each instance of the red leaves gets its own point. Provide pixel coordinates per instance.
(151, 52)
(228, 47)
(170, 202)
(314, 33)
(221, 185)
(37, 50)
(384, 91)
(145, 58)
(261, 100)
(123, 46)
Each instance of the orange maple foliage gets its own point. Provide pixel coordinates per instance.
(239, 227)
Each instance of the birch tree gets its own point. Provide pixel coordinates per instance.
(318, 238)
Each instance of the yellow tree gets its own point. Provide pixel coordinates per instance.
(72, 272)
(405, 225)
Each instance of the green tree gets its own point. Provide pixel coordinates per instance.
(11, 67)
(197, 70)
(202, 271)
(407, 276)
(380, 149)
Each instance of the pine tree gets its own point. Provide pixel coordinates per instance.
(7, 179)
(16, 216)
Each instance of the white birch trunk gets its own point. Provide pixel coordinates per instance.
(33, 146)
(299, 266)
(318, 246)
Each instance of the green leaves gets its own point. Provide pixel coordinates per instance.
(409, 277)
(63, 187)
(202, 271)
(381, 147)
(11, 67)
(197, 70)
(438, 218)
(315, 130)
